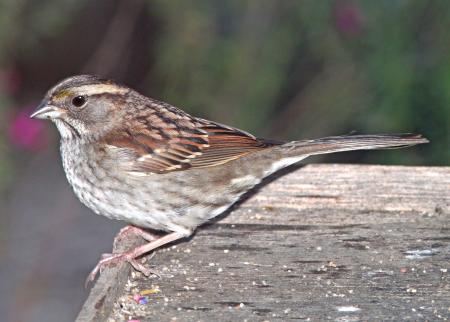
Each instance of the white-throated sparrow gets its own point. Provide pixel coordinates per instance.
(132, 158)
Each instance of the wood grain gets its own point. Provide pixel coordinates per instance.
(324, 242)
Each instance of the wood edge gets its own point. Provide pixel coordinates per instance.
(105, 290)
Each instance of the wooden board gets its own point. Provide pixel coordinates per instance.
(324, 242)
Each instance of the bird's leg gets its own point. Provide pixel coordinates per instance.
(130, 256)
(132, 230)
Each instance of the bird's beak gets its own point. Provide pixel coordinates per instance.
(44, 111)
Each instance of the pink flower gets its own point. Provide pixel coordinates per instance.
(348, 19)
(26, 133)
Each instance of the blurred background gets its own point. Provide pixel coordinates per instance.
(278, 69)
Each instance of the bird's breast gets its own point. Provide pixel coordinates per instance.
(108, 191)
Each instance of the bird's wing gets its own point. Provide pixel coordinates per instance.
(165, 140)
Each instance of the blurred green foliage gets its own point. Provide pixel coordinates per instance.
(282, 69)
(310, 68)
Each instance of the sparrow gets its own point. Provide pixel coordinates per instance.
(133, 158)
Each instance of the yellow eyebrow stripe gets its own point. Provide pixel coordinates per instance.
(62, 94)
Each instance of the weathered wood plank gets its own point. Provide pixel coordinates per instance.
(326, 242)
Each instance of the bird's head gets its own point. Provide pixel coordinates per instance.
(83, 106)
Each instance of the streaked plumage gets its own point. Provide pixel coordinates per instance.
(132, 158)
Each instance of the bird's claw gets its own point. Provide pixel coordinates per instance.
(111, 260)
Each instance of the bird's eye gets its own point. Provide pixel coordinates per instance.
(78, 101)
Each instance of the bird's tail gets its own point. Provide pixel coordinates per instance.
(295, 151)
(333, 144)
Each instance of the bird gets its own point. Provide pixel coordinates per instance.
(133, 158)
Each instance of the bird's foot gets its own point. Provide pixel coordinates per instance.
(108, 260)
(111, 260)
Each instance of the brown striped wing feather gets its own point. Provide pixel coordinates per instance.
(166, 141)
